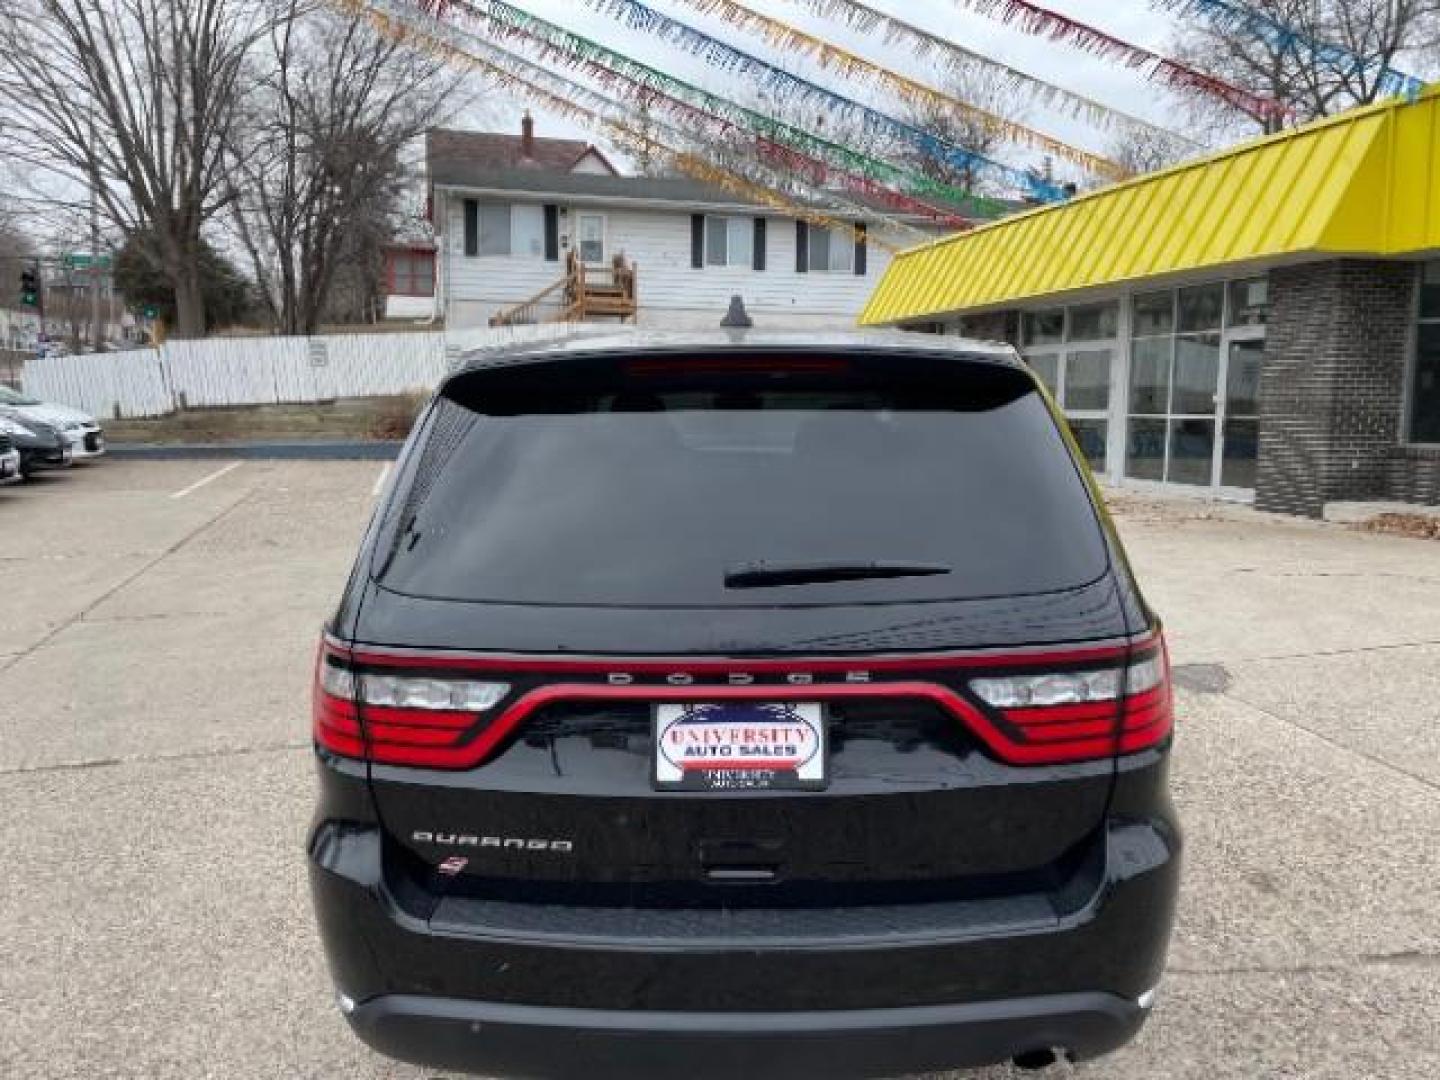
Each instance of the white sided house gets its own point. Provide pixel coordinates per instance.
(532, 230)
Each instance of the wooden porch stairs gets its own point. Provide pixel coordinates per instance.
(585, 293)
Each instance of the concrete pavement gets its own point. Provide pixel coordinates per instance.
(155, 652)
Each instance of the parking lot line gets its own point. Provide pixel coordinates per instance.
(380, 481)
(206, 479)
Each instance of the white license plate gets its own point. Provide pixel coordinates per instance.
(740, 746)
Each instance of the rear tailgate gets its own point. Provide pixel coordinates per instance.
(606, 516)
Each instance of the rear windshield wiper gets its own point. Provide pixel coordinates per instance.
(761, 575)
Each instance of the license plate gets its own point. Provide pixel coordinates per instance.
(740, 746)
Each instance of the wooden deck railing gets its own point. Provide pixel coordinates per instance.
(584, 293)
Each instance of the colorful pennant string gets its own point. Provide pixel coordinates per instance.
(620, 132)
(1237, 17)
(781, 163)
(790, 40)
(814, 168)
(957, 58)
(557, 45)
(783, 85)
(1039, 21)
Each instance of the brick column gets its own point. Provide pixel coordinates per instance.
(1332, 382)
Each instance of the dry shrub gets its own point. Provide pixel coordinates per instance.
(396, 415)
(1419, 526)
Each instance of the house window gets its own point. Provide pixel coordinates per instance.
(527, 231)
(495, 229)
(412, 273)
(832, 251)
(1425, 386)
(729, 241)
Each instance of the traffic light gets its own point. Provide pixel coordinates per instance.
(30, 287)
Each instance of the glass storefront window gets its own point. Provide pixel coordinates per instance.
(1087, 380)
(1430, 291)
(1091, 435)
(1201, 308)
(1154, 314)
(1043, 327)
(1181, 382)
(1249, 302)
(1197, 374)
(1047, 369)
(1094, 322)
(1242, 450)
(1150, 376)
(1242, 379)
(1145, 450)
(1425, 382)
(1192, 451)
(1425, 390)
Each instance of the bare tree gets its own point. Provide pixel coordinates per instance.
(135, 99)
(317, 162)
(1140, 150)
(16, 251)
(977, 86)
(1313, 57)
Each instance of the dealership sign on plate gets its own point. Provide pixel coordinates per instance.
(739, 746)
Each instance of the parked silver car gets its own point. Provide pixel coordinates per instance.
(81, 430)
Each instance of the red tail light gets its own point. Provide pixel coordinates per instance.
(1074, 715)
(440, 723)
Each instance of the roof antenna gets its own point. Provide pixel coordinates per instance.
(736, 318)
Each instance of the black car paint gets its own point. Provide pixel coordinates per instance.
(44, 448)
(1069, 897)
(9, 469)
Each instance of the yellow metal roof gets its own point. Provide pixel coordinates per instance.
(1365, 182)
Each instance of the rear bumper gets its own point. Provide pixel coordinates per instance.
(518, 1041)
(528, 990)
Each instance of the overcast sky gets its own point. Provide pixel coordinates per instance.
(1106, 81)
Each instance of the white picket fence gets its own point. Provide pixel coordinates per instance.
(258, 371)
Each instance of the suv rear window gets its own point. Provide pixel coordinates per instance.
(644, 482)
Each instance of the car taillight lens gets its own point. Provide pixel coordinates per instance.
(1060, 716)
(408, 720)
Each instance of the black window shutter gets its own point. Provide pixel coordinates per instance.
(472, 227)
(697, 241)
(860, 249)
(760, 244)
(552, 233)
(802, 247)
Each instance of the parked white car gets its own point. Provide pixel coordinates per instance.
(81, 430)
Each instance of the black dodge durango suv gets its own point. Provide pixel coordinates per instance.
(743, 705)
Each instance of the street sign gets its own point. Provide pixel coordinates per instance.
(81, 261)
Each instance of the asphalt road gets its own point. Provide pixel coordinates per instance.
(157, 626)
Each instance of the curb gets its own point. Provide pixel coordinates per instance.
(370, 450)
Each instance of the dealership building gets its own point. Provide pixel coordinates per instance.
(1262, 324)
